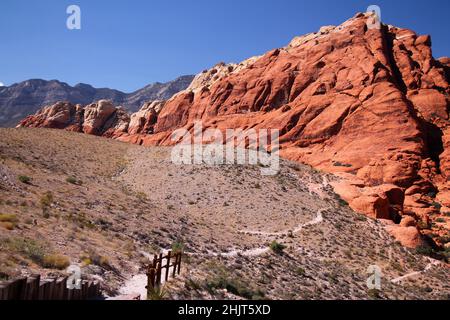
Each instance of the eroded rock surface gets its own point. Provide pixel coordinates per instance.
(370, 105)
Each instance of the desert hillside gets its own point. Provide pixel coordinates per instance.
(71, 198)
(368, 105)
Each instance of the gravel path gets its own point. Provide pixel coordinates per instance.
(428, 267)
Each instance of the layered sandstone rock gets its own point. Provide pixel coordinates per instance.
(370, 105)
(143, 121)
(101, 118)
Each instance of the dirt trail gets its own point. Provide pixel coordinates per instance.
(318, 219)
(428, 267)
(137, 284)
(317, 189)
(262, 250)
(259, 231)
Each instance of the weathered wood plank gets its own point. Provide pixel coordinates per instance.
(33, 288)
(168, 266)
(4, 291)
(31, 291)
(174, 270)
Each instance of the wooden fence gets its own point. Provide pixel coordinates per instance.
(156, 268)
(33, 288)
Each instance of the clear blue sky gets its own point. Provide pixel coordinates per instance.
(128, 44)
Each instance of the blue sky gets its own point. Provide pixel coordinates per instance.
(128, 44)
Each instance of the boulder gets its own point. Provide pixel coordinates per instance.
(409, 237)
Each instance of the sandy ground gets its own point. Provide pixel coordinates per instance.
(123, 203)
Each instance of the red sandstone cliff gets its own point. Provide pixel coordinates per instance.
(369, 105)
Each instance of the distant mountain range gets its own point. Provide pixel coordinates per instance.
(25, 98)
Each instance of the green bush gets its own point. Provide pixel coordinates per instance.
(436, 205)
(300, 271)
(191, 284)
(234, 286)
(178, 247)
(444, 239)
(341, 201)
(431, 194)
(45, 213)
(86, 261)
(340, 164)
(47, 199)
(446, 254)
(157, 293)
(423, 225)
(276, 247)
(222, 279)
(73, 180)
(81, 220)
(99, 260)
(424, 250)
(25, 179)
(28, 248)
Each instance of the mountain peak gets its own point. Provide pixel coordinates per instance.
(27, 97)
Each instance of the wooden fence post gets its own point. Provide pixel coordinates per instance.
(45, 290)
(3, 291)
(41, 291)
(70, 294)
(33, 288)
(158, 270)
(89, 290)
(96, 288)
(168, 265)
(150, 280)
(15, 288)
(179, 264)
(174, 271)
(31, 291)
(60, 284)
(154, 269)
(65, 290)
(51, 289)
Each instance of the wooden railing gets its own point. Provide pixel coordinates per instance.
(157, 267)
(33, 288)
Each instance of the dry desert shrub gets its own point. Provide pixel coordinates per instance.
(55, 261)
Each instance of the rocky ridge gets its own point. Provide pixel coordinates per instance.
(22, 99)
(368, 105)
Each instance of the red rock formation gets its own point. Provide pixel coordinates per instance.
(370, 105)
(100, 118)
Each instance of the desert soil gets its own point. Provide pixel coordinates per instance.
(107, 206)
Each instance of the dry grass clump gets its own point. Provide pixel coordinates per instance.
(55, 261)
(8, 221)
(28, 248)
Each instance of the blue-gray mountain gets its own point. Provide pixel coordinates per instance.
(25, 98)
